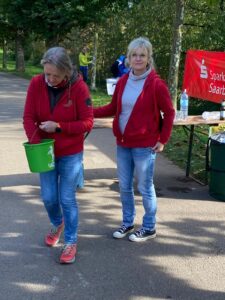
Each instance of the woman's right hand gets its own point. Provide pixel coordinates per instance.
(48, 126)
(158, 147)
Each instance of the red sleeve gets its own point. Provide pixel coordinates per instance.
(30, 121)
(165, 105)
(107, 110)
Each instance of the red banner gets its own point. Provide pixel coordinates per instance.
(204, 75)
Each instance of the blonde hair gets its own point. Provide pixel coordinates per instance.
(141, 42)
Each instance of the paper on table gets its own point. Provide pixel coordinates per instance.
(211, 115)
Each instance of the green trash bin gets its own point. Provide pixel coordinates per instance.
(215, 164)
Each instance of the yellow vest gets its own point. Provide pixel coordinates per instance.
(83, 59)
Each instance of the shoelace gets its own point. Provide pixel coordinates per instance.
(53, 231)
(140, 232)
(122, 228)
(67, 249)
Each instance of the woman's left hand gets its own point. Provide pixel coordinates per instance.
(158, 147)
(48, 126)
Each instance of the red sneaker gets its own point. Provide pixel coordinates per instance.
(53, 236)
(68, 254)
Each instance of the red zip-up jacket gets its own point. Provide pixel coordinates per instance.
(73, 112)
(145, 126)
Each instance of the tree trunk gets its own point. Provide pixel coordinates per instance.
(4, 55)
(20, 64)
(93, 74)
(52, 41)
(176, 51)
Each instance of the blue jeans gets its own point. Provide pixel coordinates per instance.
(84, 71)
(142, 160)
(58, 191)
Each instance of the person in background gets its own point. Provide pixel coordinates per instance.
(58, 107)
(139, 100)
(119, 67)
(84, 62)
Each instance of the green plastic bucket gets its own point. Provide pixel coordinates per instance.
(40, 156)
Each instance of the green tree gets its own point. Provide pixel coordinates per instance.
(15, 13)
(51, 20)
(176, 51)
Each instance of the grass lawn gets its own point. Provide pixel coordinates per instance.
(177, 150)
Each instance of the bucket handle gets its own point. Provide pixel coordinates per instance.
(33, 135)
(35, 131)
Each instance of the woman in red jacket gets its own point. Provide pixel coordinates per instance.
(139, 100)
(58, 107)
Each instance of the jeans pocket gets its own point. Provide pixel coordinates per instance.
(152, 151)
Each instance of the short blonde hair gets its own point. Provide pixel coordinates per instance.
(141, 42)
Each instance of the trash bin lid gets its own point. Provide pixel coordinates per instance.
(219, 137)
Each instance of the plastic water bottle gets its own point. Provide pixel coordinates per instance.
(222, 110)
(184, 104)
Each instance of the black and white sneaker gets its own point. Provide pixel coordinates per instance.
(122, 232)
(142, 235)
